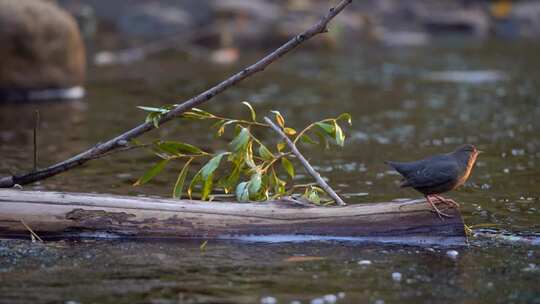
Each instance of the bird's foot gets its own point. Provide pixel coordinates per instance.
(435, 209)
(448, 201)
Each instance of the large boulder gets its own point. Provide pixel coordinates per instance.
(41, 51)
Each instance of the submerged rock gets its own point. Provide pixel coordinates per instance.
(42, 55)
(397, 276)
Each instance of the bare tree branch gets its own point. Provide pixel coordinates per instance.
(121, 140)
(306, 164)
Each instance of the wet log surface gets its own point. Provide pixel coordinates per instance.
(79, 215)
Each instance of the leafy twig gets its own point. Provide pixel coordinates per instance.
(305, 163)
(100, 149)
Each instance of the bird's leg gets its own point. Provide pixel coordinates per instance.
(439, 212)
(447, 201)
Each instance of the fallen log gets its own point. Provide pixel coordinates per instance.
(79, 215)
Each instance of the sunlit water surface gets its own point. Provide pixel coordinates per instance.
(405, 103)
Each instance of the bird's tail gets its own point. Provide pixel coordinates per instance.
(391, 163)
(396, 166)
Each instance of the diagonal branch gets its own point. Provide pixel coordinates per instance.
(121, 140)
(306, 164)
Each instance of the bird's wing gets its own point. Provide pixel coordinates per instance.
(432, 174)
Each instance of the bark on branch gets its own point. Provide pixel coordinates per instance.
(123, 139)
(306, 164)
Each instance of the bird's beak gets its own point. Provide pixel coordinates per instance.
(479, 151)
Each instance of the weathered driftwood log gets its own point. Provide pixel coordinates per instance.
(57, 214)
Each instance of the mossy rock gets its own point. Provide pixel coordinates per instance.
(41, 49)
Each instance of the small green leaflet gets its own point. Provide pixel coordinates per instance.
(151, 172)
(179, 185)
(255, 183)
(153, 109)
(211, 165)
(326, 127)
(207, 187)
(174, 147)
(345, 116)
(307, 139)
(340, 137)
(242, 192)
(241, 140)
(265, 153)
(287, 166)
(251, 110)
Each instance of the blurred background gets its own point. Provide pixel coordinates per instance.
(41, 37)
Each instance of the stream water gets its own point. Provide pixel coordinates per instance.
(406, 104)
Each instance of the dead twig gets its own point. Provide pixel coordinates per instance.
(306, 164)
(33, 235)
(117, 142)
(36, 126)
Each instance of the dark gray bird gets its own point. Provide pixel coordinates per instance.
(438, 174)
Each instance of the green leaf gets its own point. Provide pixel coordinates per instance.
(242, 192)
(223, 124)
(265, 153)
(287, 166)
(179, 185)
(202, 112)
(318, 189)
(289, 131)
(255, 183)
(253, 114)
(322, 139)
(211, 165)
(279, 118)
(249, 156)
(193, 115)
(153, 118)
(307, 139)
(174, 147)
(153, 109)
(207, 186)
(194, 181)
(151, 173)
(241, 140)
(326, 127)
(203, 246)
(279, 185)
(280, 146)
(233, 178)
(347, 117)
(340, 137)
(313, 197)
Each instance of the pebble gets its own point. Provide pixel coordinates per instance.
(268, 300)
(379, 301)
(317, 301)
(364, 262)
(341, 295)
(531, 267)
(453, 254)
(295, 302)
(396, 276)
(330, 298)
